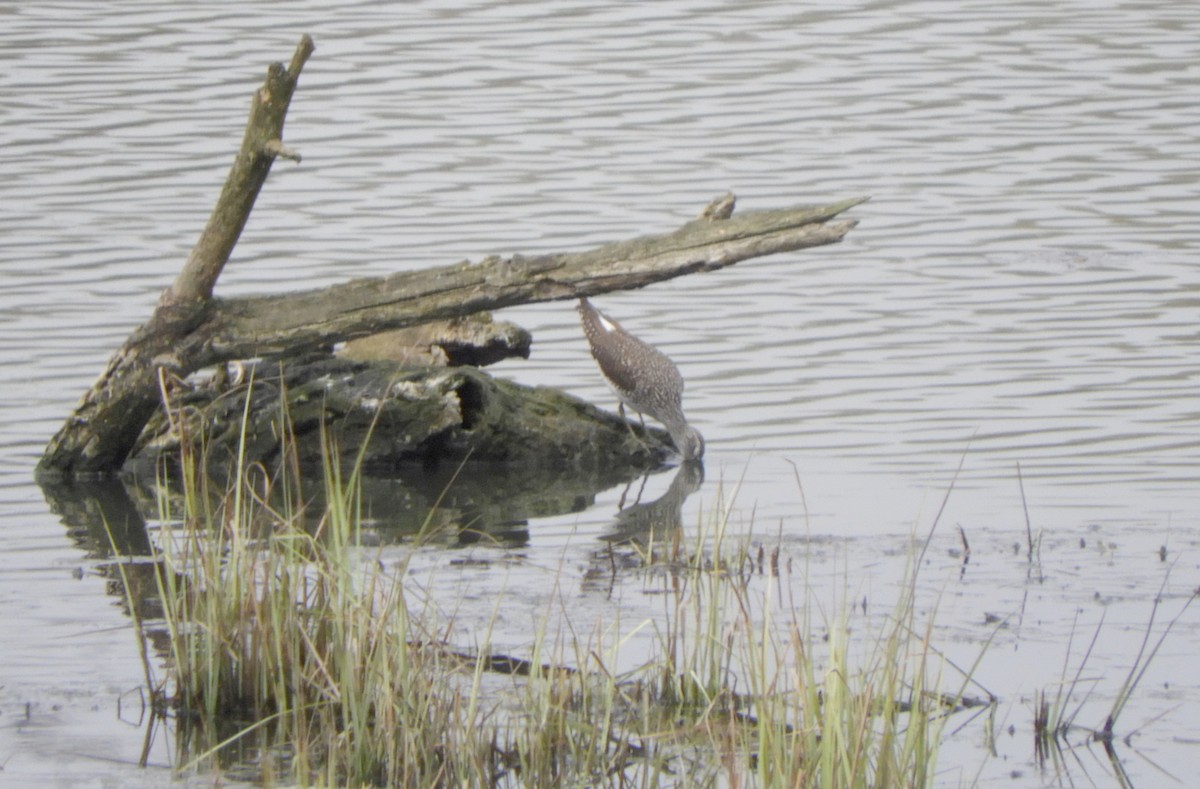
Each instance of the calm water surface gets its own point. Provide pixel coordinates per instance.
(1023, 288)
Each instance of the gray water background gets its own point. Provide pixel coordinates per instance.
(1023, 286)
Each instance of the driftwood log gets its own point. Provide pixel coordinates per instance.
(191, 329)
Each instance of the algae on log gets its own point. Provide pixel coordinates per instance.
(398, 417)
(191, 329)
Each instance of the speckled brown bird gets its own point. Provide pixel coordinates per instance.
(642, 376)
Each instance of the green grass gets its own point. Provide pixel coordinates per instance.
(296, 656)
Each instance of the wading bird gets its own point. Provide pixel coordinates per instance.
(642, 376)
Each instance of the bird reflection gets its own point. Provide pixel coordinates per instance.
(642, 524)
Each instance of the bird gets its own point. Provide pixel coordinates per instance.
(642, 376)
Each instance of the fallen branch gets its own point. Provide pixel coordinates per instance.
(296, 322)
(191, 329)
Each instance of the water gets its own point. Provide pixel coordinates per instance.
(1022, 288)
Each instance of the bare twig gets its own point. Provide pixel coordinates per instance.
(1025, 507)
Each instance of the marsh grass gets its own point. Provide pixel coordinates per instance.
(1056, 715)
(297, 655)
(296, 636)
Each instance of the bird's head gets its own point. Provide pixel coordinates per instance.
(690, 443)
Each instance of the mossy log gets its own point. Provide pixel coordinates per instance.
(392, 417)
(191, 329)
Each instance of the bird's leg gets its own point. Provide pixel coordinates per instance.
(629, 424)
(625, 419)
(624, 493)
(628, 421)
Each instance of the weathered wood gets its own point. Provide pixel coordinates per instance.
(389, 416)
(191, 330)
(98, 436)
(474, 340)
(261, 144)
(286, 323)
